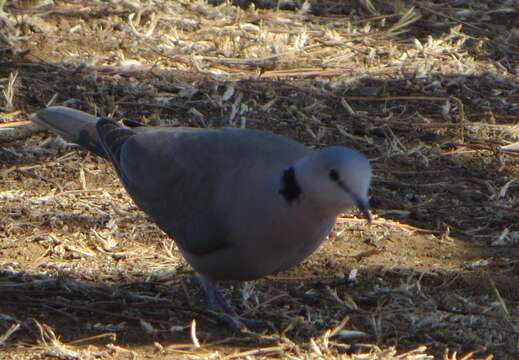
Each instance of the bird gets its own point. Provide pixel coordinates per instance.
(239, 203)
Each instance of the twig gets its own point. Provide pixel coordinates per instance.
(13, 124)
(8, 333)
(111, 335)
(476, 146)
(435, 12)
(19, 132)
(194, 338)
(266, 61)
(306, 73)
(343, 219)
(261, 351)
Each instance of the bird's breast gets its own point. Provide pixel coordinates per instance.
(264, 233)
(281, 241)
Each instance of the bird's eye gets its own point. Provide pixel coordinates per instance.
(334, 175)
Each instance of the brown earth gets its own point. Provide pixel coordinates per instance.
(430, 93)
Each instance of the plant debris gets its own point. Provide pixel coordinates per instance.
(428, 90)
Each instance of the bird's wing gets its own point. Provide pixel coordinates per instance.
(175, 175)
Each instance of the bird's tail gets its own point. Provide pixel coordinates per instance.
(72, 125)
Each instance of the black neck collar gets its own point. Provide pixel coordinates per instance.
(290, 189)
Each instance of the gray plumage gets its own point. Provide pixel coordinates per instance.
(240, 204)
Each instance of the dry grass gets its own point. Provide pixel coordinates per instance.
(429, 90)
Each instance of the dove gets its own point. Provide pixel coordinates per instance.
(239, 203)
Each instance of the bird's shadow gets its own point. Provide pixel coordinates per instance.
(297, 309)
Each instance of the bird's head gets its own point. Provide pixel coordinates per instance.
(335, 179)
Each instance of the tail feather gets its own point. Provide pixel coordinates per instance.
(112, 137)
(72, 125)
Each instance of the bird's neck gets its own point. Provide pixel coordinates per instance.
(290, 187)
(296, 195)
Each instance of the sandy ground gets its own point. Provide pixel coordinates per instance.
(429, 91)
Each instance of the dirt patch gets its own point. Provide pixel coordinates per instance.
(429, 93)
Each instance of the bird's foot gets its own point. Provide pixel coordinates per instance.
(225, 311)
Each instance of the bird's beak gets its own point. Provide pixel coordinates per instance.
(362, 202)
(363, 205)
